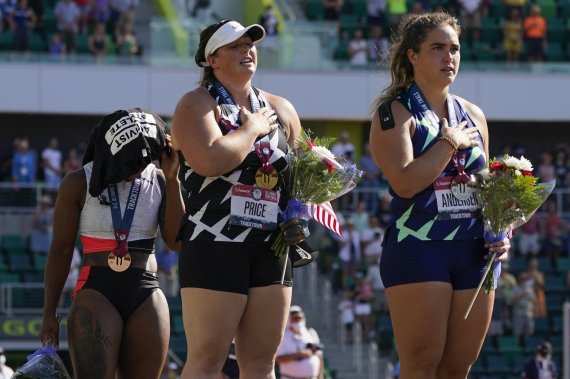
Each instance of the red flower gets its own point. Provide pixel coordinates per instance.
(526, 173)
(310, 143)
(330, 164)
(497, 166)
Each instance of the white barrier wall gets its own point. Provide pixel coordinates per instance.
(97, 89)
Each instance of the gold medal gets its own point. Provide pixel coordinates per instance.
(119, 264)
(267, 181)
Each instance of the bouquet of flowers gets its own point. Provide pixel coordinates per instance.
(510, 195)
(44, 363)
(316, 177)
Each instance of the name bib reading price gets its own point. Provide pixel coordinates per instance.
(455, 200)
(254, 207)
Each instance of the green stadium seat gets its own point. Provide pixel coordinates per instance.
(556, 32)
(498, 364)
(314, 9)
(557, 342)
(490, 31)
(483, 51)
(13, 241)
(178, 345)
(10, 277)
(518, 363)
(360, 9)
(20, 262)
(341, 50)
(557, 322)
(174, 304)
(349, 23)
(33, 277)
(542, 326)
(82, 44)
(531, 343)
(508, 344)
(40, 261)
(488, 346)
(565, 10)
(564, 262)
(36, 43)
(177, 324)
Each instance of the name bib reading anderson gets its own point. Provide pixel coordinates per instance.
(463, 204)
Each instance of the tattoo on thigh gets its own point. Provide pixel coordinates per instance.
(91, 344)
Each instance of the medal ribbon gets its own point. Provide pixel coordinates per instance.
(227, 98)
(122, 225)
(459, 158)
(263, 150)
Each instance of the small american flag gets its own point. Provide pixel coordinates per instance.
(324, 213)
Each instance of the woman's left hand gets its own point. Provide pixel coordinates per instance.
(501, 248)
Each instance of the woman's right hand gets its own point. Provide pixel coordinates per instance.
(263, 122)
(50, 330)
(462, 136)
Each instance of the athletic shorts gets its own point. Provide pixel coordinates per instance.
(459, 263)
(231, 266)
(126, 290)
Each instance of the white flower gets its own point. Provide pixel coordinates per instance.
(518, 173)
(518, 164)
(323, 152)
(485, 174)
(525, 164)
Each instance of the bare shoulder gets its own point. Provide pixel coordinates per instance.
(73, 187)
(196, 97)
(473, 110)
(279, 103)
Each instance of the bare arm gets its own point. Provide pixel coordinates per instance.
(392, 150)
(207, 150)
(67, 212)
(174, 207)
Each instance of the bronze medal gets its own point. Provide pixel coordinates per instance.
(119, 264)
(267, 181)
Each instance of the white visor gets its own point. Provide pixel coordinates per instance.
(230, 32)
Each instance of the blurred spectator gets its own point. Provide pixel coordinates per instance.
(523, 303)
(343, 148)
(396, 10)
(501, 317)
(22, 21)
(171, 371)
(417, 8)
(561, 167)
(67, 14)
(24, 164)
(270, 24)
(346, 310)
(127, 43)
(379, 302)
(358, 48)
(370, 179)
(6, 9)
(300, 354)
(470, 15)
(528, 236)
(167, 261)
(359, 217)
(513, 36)
(41, 231)
(535, 32)
(537, 277)
(202, 11)
(363, 297)
(332, 9)
(385, 209)
(553, 230)
(97, 42)
(84, 10)
(545, 169)
(38, 7)
(349, 254)
(510, 4)
(376, 12)
(378, 45)
(52, 164)
(122, 12)
(541, 366)
(72, 162)
(371, 238)
(56, 47)
(101, 11)
(5, 371)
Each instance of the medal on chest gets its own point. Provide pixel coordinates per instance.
(266, 176)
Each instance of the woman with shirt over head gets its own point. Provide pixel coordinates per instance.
(118, 323)
(234, 138)
(428, 142)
